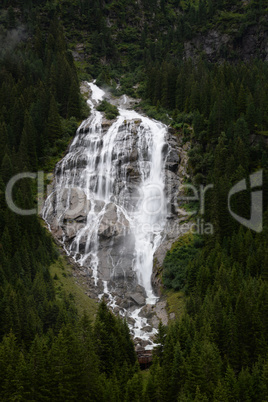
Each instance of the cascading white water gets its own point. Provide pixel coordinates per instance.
(108, 203)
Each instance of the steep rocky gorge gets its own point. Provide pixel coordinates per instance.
(113, 206)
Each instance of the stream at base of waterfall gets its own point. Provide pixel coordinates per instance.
(113, 207)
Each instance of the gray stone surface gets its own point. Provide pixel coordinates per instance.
(138, 299)
(115, 241)
(254, 43)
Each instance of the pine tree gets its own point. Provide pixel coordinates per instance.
(134, 389)
(220, 394)
(241, 101)
(54, 129)
(244, 385)
(230, 384)
(27, 148)
(177, 375)
(195, 375)
(74, 101)
(3, 140)
(160, 341)
(7, 243)
(17, 120)
(9, 357)
(199, 397)
(39, 43)
(6, 169)
(11, 17)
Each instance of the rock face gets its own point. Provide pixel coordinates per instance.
(253, 42)
(176, 215)
(113, 205)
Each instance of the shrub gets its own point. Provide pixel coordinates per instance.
(177, 259)
(111, 111)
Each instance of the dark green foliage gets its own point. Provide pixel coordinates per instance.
(54, 130)
(176, 262)
(221, 341)
(40, 90)
(204, 89)
(67, 365)
(46, 352)
(111, 111)
(218, 349)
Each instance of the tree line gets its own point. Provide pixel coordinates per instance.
(47, 351)
(217, 350)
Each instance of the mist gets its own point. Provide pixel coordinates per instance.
(11, 39)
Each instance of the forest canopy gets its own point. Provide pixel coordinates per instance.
(217, 350)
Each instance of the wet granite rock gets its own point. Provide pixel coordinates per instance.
(138, 299)
(115, 241)
(147, 328)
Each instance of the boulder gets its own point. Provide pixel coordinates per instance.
(132, 171)
(173, 166)
(147, 328)
(76, 202)
(139, 348)
(173, 156)
(133, 157)
(113, 222)
(147, 311)
(130, 320)
(138, 298)
(126, 303)
(145, 343)
(156, 278)
(98, 205)
(106, 124)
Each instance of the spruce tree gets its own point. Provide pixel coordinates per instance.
(54, 129)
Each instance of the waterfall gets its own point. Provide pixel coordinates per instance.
(108, 204)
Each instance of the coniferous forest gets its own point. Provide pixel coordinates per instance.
(217, 100)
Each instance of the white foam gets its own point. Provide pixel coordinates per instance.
(97, 93)
(98, 180)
